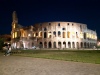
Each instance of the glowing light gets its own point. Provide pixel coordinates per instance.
(15, 34)
(87, 35)
(68, 34)
(49, 34)
(73, 34)
(81, 35)
(34, 35)
(40, 34)
(29, 34)
(14, 25)
(23, 35)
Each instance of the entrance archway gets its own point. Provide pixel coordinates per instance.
(45, 44)
(64, 44)
(81, 45)
(54, 44)
(59, 44)
(69, 45)
(49, 45)
(41, 45)
(73, 44)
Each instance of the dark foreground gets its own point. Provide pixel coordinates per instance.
(16, 65)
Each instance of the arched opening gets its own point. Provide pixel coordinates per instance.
(45, 44)
(59, 44)
(54, 34)
(64, 44)
(40, 45)
(15, 44)
(18, 45)
(76, 35)
(54, 44)
(28, 45)
(45, 35)
(73, 45)
(87, 45)
(64, 35)
(40, 34)
(21, 44)
(49, 45)
(45, 29)
(84, 35)
(81, 45)
(77, 45)
(84, 44)
(49, 35)
(69, 45)
(36, 34)
(59, 34)
(32, 44)
(68, 34)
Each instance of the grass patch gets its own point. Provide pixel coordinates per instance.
(86, 56)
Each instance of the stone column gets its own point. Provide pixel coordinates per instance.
(61, 44)
(43, 44)
(71, 44)
(52, 44)
(75, 44)
(47, 44)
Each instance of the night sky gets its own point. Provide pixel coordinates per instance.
(30, 12)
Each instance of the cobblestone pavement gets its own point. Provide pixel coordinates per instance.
(16, 65)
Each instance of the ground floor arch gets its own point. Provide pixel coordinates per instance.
(40, 45)
(59, 44)
(49, 45)
(69, 44)
(64, 44)
(45, 44)
(81, 45)
(54, 45)
(73, 44)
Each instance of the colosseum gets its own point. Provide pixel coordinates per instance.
(52, 35)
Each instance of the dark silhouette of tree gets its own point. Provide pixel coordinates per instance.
(1, 43)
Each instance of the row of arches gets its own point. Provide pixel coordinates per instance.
(64, 34)
(50, 44)
(66, 45)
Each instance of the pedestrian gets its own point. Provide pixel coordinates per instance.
(8, 51)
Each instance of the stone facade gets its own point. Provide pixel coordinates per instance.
(52, 35)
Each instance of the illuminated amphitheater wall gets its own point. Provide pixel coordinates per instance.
(52, 35)
(65, 35)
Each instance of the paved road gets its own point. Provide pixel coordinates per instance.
(15, 65)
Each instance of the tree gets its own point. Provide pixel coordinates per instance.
(1, 43)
